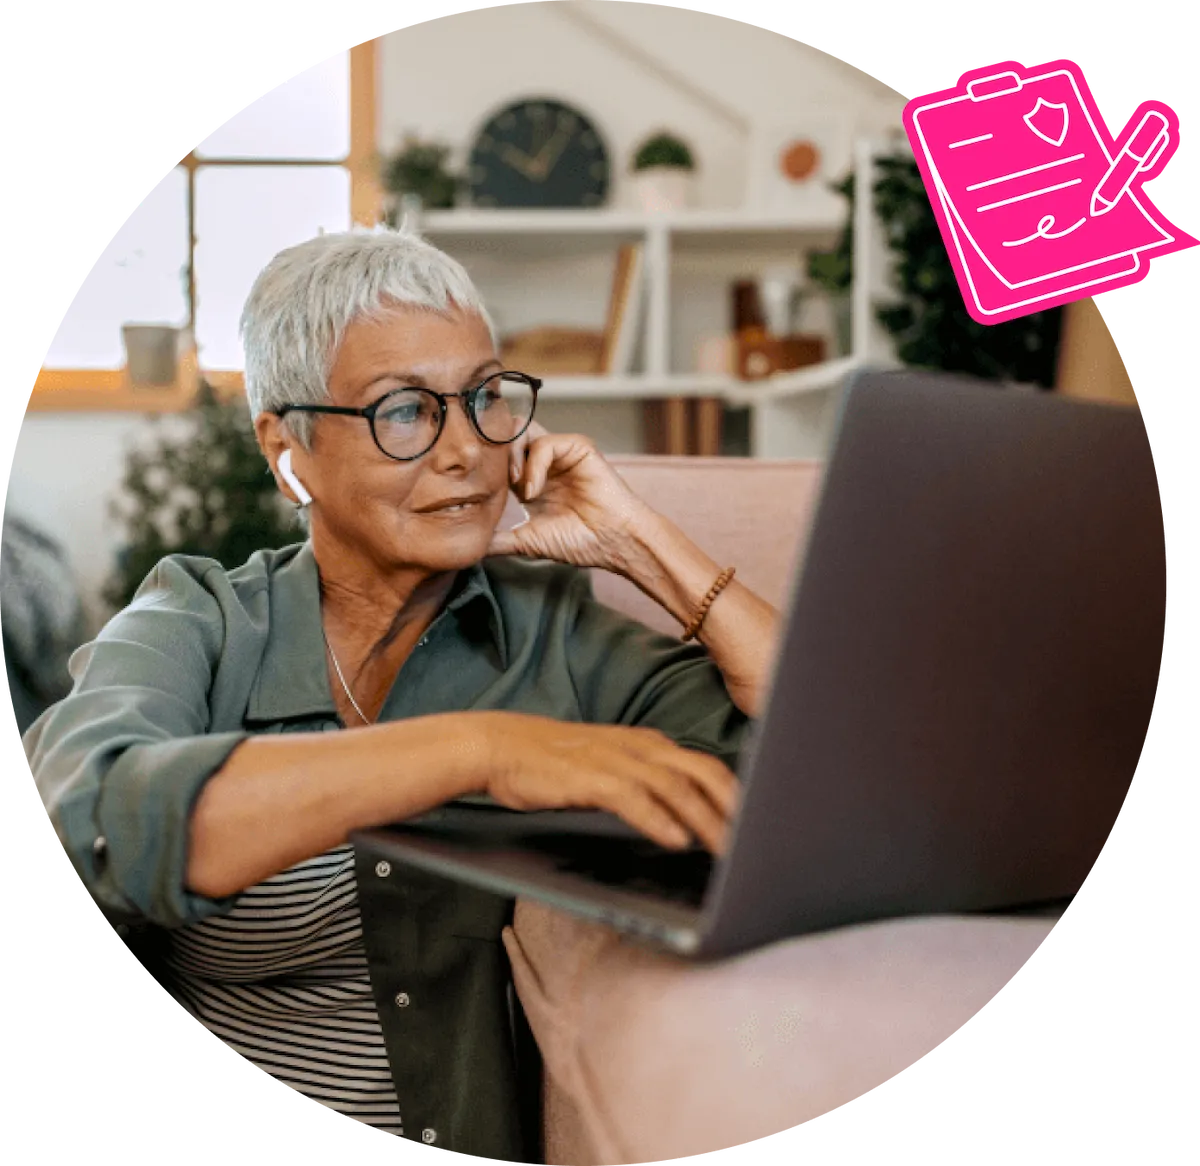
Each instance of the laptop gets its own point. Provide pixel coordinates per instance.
(959, 699)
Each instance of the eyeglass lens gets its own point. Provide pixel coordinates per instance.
(406, 424)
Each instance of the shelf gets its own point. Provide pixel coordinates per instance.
(616, 388)
(815, 379)
(530, 222)
(750, 231)
(459, 223)
(690, 258)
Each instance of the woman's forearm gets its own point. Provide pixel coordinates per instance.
(284, 798)
(740, 629)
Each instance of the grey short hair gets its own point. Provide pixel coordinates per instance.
(305, 298)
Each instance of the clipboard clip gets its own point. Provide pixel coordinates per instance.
(976, 92)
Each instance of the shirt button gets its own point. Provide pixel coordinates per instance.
(429, 1136)
(100, 847)
(422, 641)
(402, 1000)
(383, 869)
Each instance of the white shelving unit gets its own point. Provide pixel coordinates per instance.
(790, 412)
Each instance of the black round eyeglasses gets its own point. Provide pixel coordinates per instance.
(406, 423)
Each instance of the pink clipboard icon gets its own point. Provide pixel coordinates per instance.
(1037, 203)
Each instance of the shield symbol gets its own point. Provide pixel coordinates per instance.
(1049, 120)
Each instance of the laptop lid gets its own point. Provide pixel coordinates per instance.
(968, 669)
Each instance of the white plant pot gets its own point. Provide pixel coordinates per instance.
(151, 353)
(663, 189)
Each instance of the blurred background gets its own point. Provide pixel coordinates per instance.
(694, 229)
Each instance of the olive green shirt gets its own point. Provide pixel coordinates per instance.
(204, 658)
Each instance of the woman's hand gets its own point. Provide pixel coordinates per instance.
(669, 793)
(580, 511)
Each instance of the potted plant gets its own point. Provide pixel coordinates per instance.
(417, 177)
(664, 173)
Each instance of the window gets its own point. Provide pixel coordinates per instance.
(297, 161)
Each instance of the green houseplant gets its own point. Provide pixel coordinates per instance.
(664, 172)
(928, 319)
(664, 150)
(833, 270)
(419, 170)
(203, 489)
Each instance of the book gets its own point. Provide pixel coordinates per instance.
(624, 311)
(683, 426)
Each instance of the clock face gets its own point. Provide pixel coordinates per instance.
(538, 153)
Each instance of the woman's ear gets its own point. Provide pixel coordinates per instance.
(284, 466)
(273, 443)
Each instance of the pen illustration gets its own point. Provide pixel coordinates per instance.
(1037, 202)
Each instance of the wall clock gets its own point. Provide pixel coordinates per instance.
(538, 153)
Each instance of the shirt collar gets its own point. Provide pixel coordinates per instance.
(293, 679)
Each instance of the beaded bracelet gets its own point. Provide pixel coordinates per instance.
(718, 586)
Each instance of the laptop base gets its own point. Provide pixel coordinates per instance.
(555, 869)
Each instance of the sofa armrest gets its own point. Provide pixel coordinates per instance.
(649, 1057)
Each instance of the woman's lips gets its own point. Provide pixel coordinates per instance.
(454, 510)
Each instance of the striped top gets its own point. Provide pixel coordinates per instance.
(283, 979)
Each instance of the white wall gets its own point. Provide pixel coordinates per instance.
(727, 88)
(66, 471)
(632, 68)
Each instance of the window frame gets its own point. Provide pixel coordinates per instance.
(109, 389)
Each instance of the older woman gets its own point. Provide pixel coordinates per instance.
(196, 775)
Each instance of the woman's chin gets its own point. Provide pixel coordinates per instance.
(455, 538)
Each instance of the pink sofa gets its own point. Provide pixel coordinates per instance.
(650, 1057)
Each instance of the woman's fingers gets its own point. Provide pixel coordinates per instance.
(691, 801)
(519, 449)
(669, 793)
(689, 805)
(705, 791)
(713, 777)
(686, 785)
(539, 457)
(544, 450)
(633, 803)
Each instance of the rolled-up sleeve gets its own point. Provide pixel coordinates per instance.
(121, 761)
(626, 674)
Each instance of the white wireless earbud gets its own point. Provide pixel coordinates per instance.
(289, 476)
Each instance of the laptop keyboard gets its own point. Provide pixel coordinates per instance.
(636, 865)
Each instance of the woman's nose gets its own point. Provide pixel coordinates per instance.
(459, 443)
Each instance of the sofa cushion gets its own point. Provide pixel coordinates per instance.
(649, 1057)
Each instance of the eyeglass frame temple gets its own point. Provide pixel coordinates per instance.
(368, 411)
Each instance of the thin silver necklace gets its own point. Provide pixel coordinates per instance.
(338, 669)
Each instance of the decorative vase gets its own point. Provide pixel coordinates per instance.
(663, 189)
(843, 323)
(780, 290)
(151, 353)
(410, 210)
